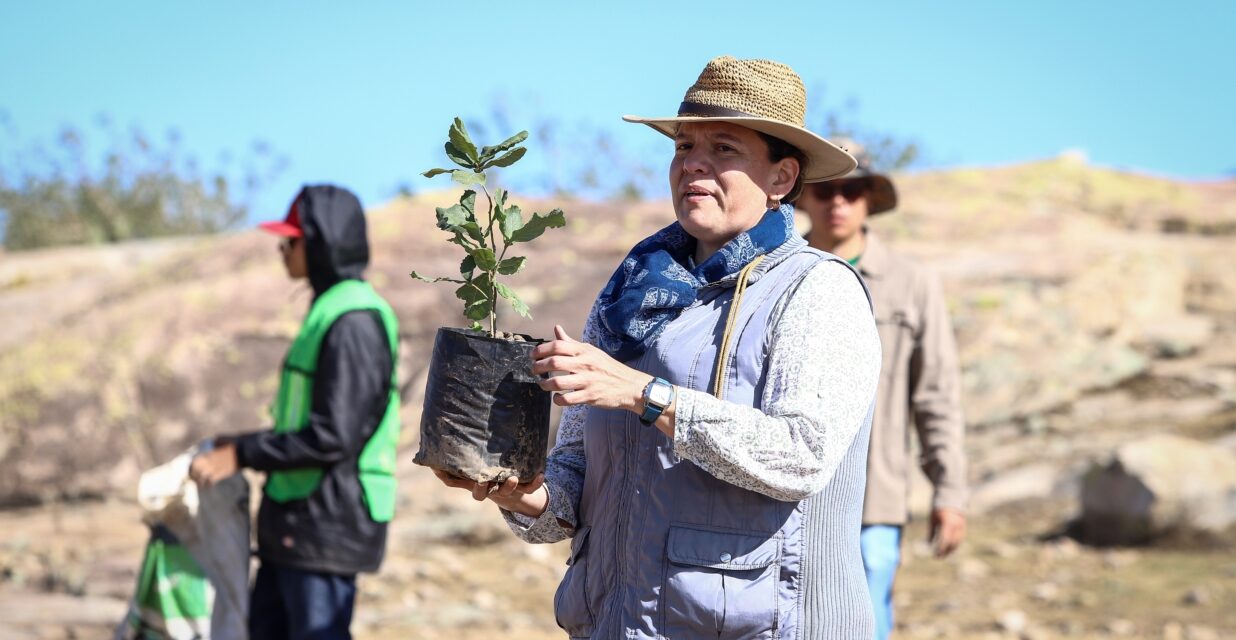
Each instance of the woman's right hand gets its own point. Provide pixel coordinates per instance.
(528, 498)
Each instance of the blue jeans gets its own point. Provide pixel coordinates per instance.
(881, 545)
(294, 604)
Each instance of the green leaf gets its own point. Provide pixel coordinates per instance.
(478, 310)
(504, 145)
(537, 225)
(469, 292)
(511, 266)
(477, 297)
(509, 294)
(424, 278)
(468, 266)
(467, 178)
(462, 141)
(457, 216)
(462, 239)
(512, 221)
(509, 158)
(474, 231)
(452, 217)
(485, 258)
(459, 157)
(436, 172)
(476, 326)
(498, 214)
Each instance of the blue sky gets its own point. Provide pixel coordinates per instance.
(362, 95)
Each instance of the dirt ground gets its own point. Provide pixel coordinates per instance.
(454, 571)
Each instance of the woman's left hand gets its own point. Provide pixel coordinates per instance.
(589, 376)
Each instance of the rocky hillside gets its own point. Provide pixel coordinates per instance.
(1092, 306)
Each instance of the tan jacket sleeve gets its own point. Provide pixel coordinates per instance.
(935, 398)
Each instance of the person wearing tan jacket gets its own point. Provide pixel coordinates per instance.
(920, 381)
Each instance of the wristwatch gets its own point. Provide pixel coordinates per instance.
(658, 395)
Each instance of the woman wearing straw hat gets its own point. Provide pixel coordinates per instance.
(709, 467)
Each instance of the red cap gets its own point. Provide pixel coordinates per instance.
(289, 227)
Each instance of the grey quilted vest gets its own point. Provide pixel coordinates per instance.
(666, 550)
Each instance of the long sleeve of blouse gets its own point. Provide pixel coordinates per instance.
(564, 472)
(823, 366)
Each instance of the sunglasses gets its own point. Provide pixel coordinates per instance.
(851, 190)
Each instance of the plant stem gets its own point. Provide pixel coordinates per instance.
(493, 275)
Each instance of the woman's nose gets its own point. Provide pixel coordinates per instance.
(694, 161)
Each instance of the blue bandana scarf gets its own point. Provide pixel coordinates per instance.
(654, 283)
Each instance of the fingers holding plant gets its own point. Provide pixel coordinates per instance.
(587, 375)
(512, 487)
(527, 498)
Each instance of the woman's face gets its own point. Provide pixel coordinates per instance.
(722, 181)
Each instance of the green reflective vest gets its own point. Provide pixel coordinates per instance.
(376, 466)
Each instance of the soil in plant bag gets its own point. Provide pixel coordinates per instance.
(485, 417)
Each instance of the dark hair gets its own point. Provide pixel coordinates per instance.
(779, 150)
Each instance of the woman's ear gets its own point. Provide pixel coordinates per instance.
(785, 174)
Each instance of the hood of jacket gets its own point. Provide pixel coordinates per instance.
(335, 235)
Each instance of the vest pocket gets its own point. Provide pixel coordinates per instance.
(572, 608)
(720, 583)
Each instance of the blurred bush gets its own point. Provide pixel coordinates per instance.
(133, 187)
(888, 151)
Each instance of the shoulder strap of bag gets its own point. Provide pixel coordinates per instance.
(723, 356)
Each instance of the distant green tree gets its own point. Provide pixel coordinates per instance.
(888, 151)
(133, 188)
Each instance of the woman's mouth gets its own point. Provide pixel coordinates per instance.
(695, 194)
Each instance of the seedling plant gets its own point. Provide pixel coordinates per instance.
(486, 242)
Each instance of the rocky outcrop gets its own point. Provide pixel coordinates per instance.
(1156, 486)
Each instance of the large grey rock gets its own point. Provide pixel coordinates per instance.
(1158, 485)
(1031, 349)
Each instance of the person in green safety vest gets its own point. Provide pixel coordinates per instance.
(330, 458)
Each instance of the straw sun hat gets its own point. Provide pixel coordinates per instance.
(762, 95)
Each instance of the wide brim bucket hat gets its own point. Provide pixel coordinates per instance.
(882, 196)
(762, 95)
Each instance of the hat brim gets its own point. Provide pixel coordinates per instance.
(281, 228)
(825, 160)
(883, 196)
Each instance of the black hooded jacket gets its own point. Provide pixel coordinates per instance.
(331, 530)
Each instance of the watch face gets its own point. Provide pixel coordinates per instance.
(660, 394)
